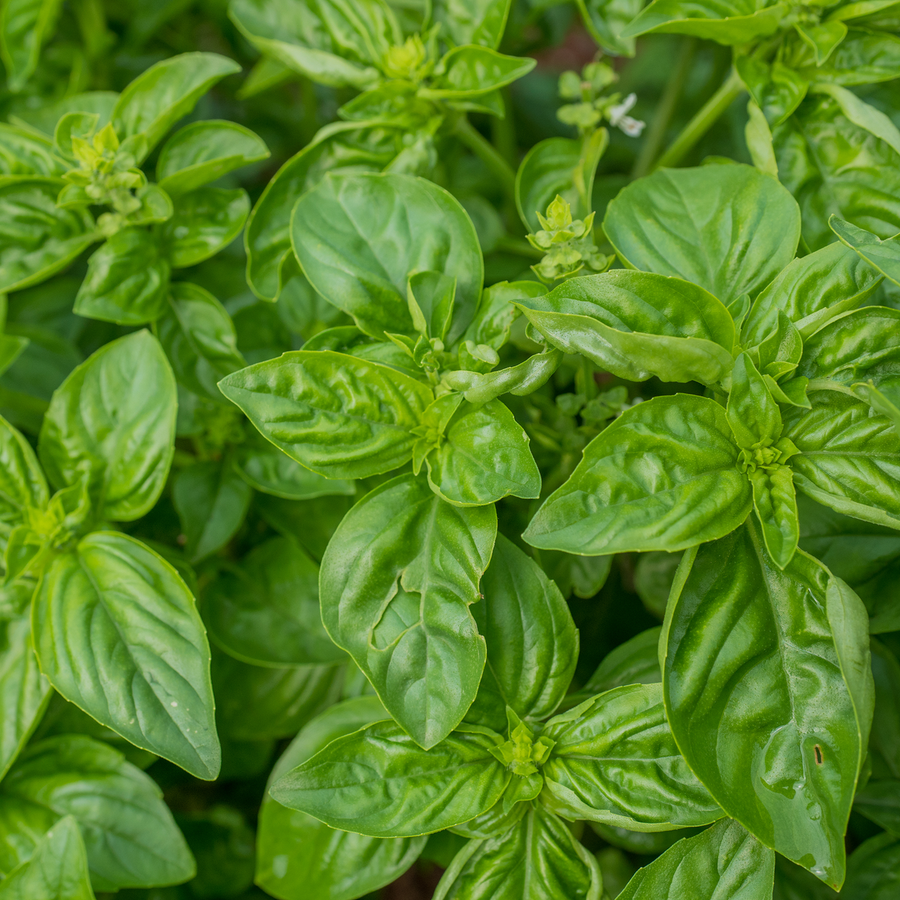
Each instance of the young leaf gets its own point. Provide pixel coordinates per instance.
(204, 151)
(469, 71)
(391, 787)
(725, 862)
(771, 699)
(532, 642)
(128, 831)
(538, 859)
(166, 92)
(114, 418)
(775, 502)
(663, 476)
(479, 22)
(638, 325)
(881, 255)
(205, 220)
(57, 870)
(396, 584)
(753, 415)
(359, 236)
(298, 855)
(22, 483)
(615, 761)
(117, 633)
(729, 229)
(25, 152)
(335, 414)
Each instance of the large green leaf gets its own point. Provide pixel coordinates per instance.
(730, 22)
(615, 761)
(538, 858)
(335, 414)
(638, 325)
(299, 856)
(722, 863)
(849, 457)
(114, 419)
(165, 92)
(266, 611)
(358, 237)
(532, 642)
(117, 632)
(379, 782)
(881, 255)
(38, 238)
(769, 693)
(396, 584)
(730, 229)
(663, 476)
(24, 691)
(128, 831)
(267, 469)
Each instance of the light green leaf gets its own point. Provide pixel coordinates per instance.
(615, 761)
(538, 859)
(166, 92)
(25, 152)
(391, 787)
(472, 21)
(335, 414)
(396, 584)
(128, 831)
(24, 26)
(205, 220)
(266, 611)
(729, 229)
(753, 415)
(863, 114)
(127, 280)
(734, 22)
(881, 255)
(22, 483)
(117, 633)
(725, 862)
(358, 237)
(769, 693)
(663, 476)
(607, 19)
(638, 325)
(114, 418)
(470, 71)
(204, 151)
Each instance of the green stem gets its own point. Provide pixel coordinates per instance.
(668, 103)
(705, 118)
(486, 152)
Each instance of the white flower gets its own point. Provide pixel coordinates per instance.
(619, 118)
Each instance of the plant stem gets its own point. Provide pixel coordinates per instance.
(668, 103)
(706, 116)
(486, 152)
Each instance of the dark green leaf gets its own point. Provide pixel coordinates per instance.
(205, 220)
(267, 469)
(24, 26)
(874, 871)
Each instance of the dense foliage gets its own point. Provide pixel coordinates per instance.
(450, 448)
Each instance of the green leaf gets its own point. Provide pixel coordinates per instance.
(204, 151)
(634, 662)
(335, 414)
(663, 476)
(722, 863)
(396, 584)
(199, 339)
(266, 611)
(886, 719)
(22, 483)
(298, 856)
(471, 70)
(483, 457)
(37, 238)
(879, 802)
(205, 220)
(638, 325)
(847, 457)
(863, 115)
(864, 57)
(873, 870)
(752, 412)
(734, 22)
(769, 694)
(538, 859)
(24, 691)
(24, 26)
(267, 469)
(211, 500)
(114, 419)
(358, 237)
(532, 642)
(117, 633)
(497, 312)
(810, 291)
(391, 787)
(25, 152)
(607, 19)
(472, 21)
(615, 761)
(127, 280)
(559, 167)
(729, 229)
(881, 255)
(775, 503)
(128, 831)
(166, 92)
(57, 870)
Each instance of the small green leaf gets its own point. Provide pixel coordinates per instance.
(24, 26)
(205, 220)
(469, 71)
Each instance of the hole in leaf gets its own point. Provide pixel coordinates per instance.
(819, 758)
